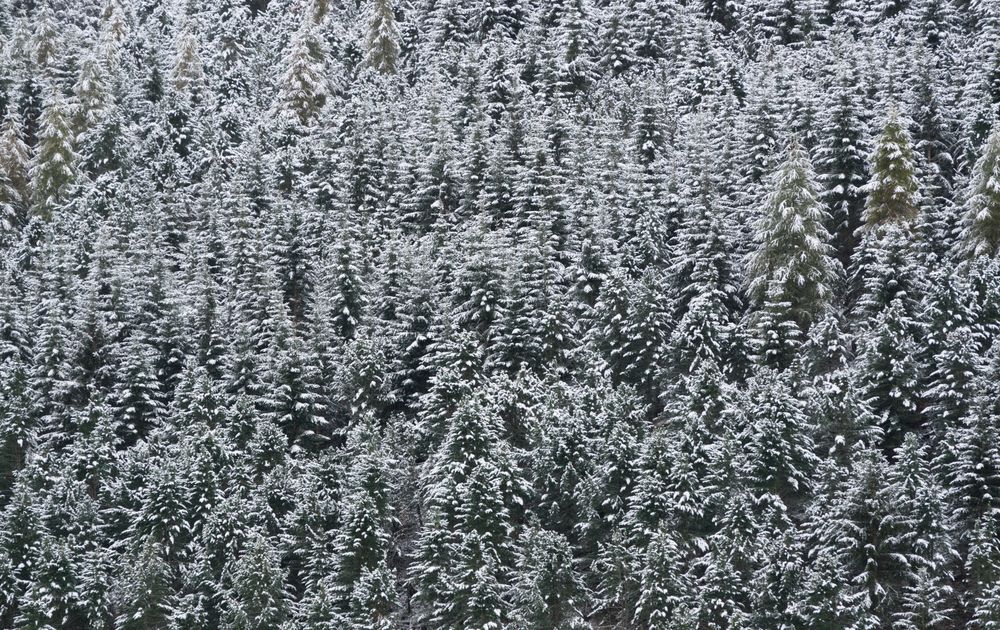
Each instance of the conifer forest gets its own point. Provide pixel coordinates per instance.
(499, 314)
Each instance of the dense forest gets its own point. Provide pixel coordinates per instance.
(489, 314)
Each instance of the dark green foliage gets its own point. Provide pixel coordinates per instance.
(494, 314)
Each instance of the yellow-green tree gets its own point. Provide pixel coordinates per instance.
(893, 189)
(383, 38)
(53, 170)
(981, 235)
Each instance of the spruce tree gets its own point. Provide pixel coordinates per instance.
(875, 557)
(981, 234)
(791, 273)
(892, 374)
(926, 604)
(888, 268)
(53, 169)
(383, 38)
(842, 170)
(363, 543)
(973, 462)
(15, 180)
(548, 592)
(145, 589)
(662, 585)
(893, 189)
(793, 248)
(304, 90)
(255, 596)
(779, 449)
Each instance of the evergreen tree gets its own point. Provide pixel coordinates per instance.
(842, 169)
(14, 180)
(661, 585)
(347, 296)
(547, 592)
(875, 556)
(19, 432)
(892, 374)
(53, 168)
(304, 89)
(793, 248)
(975, 470)
(297, 399)
(926, 604)
(980, 236)
(145, 589)
(363, 543)
(892, 191)
(574, 32)
(791, 273)
(254, 597)
(383, 38)
(617, 55)
(779, 450)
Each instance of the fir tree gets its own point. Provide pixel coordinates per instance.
(15, 167)
(926, 604)
(793, 247)
(875, 557)
(980, 235)
(779, 450)
(383, 38)
(547, 592)
(892, 375)
(842, 170)
(144, 592)
(791, 273)
(975, 471)
(363, 543)
(661, 585)
(54, 168)
(892, 191)
(304, 89)
(255, 595)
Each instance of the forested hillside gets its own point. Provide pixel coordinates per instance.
(490, 314)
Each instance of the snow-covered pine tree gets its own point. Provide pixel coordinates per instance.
(893, 189)
(934, 143)
(981, 230)
(254, 596)
(779, 449)
(791, 273)
(383, 37)
(363, 543)
(840, 160)
(871, 543)
(304, 83)
(15, 164)
(53, 168)
(887, 267)
(662, 585)
(972, 458)
(548, 591)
